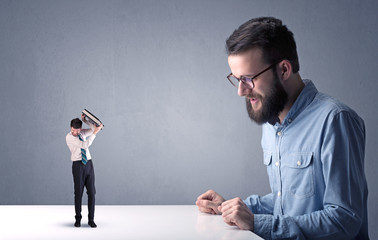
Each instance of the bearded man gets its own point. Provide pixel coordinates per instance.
(314, 145)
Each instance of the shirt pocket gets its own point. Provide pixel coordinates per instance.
(298, 176)
(267, 158)
(268, 164)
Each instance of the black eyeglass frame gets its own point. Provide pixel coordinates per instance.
(246, 79)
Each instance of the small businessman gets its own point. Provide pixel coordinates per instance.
(78, 141)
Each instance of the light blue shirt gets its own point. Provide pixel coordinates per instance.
(315, 164)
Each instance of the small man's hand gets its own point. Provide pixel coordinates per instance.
(209, 202)
(83, 118)
(236, 213)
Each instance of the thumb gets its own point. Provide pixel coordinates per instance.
(220, 208)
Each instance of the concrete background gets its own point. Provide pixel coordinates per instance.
(154, 73)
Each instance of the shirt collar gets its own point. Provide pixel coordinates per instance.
(304, 99)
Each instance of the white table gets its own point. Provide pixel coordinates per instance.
(115, 222)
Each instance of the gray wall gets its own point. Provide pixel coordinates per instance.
(154, 72)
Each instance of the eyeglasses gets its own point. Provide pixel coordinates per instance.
(246, 79)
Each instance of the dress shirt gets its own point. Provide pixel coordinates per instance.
(315, 164)
(75, 145)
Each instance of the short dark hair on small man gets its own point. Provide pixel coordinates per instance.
(76, 123)
(268, 34)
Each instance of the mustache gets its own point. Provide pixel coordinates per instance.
(253, 96)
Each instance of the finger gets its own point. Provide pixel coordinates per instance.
(202, 196)
(231, 206)
(226, 205)
(206, 210)
(207, 195)
(232, 202)
(230, 223)
(228, 218)
(240, 216)
(226, 211)
(234, 216)
(203, 204)
(208, 204)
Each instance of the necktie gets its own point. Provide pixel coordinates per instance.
(83, 153)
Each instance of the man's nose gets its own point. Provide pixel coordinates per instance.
(243, 89)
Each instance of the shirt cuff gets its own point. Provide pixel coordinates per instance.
(262, 225)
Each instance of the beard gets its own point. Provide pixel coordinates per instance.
(272, 104)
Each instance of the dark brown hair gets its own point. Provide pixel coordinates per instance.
(269, 34)
(76, 123)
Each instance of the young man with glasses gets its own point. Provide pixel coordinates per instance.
(313, 145)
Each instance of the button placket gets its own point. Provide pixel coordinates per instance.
(279, 135)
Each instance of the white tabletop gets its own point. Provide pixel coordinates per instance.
(116, 222)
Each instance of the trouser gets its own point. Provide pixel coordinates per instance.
(83, 175)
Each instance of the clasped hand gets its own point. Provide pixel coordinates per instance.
(234, 212)
(95, 129)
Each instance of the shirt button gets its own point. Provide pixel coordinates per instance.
(277, 163)
(279, 194)
(299, 163)
(290, 120)
(279, 134)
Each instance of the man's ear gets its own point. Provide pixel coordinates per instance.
(285, 69)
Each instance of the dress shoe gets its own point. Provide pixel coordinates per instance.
(92, 224)
(77, 223)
